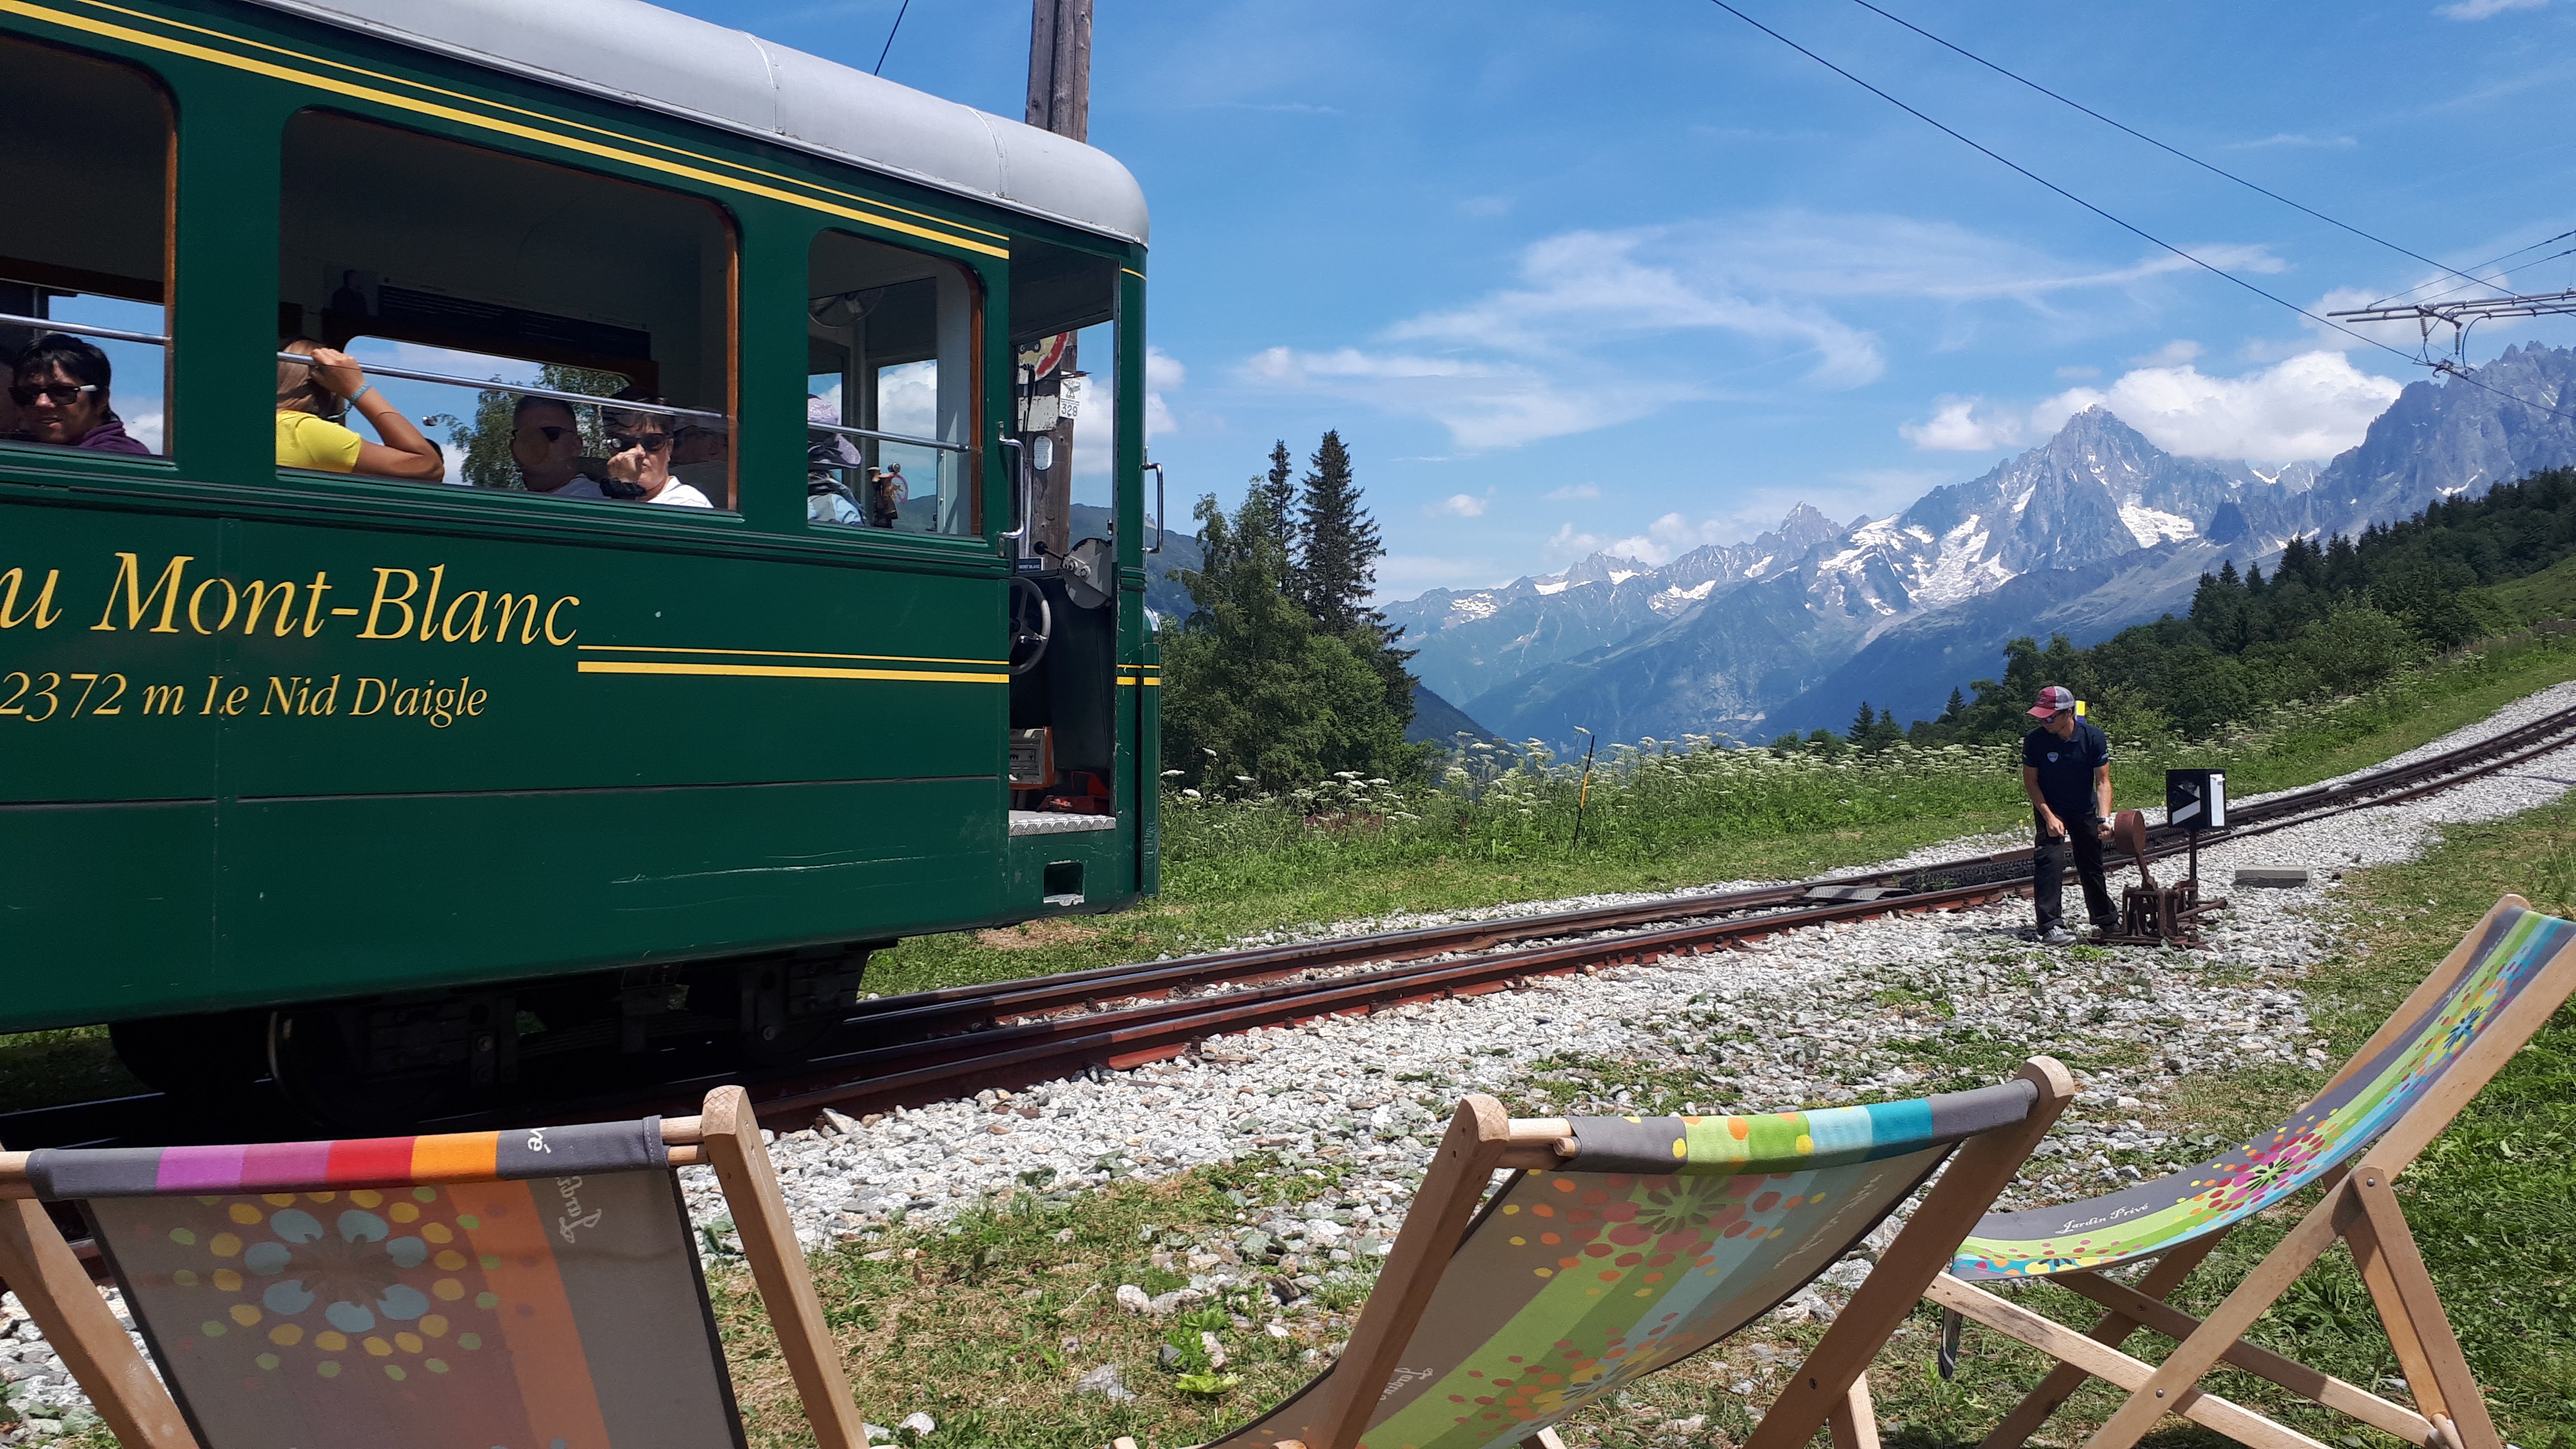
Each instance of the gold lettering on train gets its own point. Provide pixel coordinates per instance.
(151, 601)
(129, 580)
(261, 591)
(527, 624)
(197, 601)
(429, 611)
(473, 632)
(165, 698)
(42, 611)
(375, 608)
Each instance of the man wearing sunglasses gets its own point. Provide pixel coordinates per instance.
(639, 457)
(59, 387)
(545, 441)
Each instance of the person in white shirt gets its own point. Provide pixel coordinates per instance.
(639, 459)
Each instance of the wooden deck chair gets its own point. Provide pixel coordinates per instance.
(2404, 1085)
(1622, 1245)
(532, 1289)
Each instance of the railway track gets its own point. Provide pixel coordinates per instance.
(928, 1046)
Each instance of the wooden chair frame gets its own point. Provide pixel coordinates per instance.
(1831, 1388)
(129, 1396)
(2359, 1209)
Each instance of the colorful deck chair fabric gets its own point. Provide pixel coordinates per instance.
(532, 1289)
(1625, 1246)
(2156, 1217)
(2396, 1094)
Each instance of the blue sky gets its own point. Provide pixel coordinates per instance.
(1636, 276)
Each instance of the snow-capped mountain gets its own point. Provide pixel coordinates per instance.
(1470, 639)
(2107, 528)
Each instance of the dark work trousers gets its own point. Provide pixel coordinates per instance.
(2083, 840)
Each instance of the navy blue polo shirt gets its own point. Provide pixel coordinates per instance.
(2066, 767)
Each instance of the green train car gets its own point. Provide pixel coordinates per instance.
(400, 740)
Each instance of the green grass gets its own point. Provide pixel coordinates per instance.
(970, 1321)
(1234, 870)
(2548, 594)
(987, 1321)
(2492, 1203)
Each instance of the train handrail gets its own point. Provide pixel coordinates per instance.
(847, 432)
(521, 389)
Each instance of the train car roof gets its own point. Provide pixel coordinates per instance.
(644, 55)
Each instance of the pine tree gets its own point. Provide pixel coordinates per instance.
(1278, 492)
(1337, 566)
(1958, 706)
(1862, 723)
(1253, 687)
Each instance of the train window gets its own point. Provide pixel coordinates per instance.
(83, 329)
(889, 389)
(1064, 334)
(500, 323)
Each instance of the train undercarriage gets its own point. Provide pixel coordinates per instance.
(391, 1062)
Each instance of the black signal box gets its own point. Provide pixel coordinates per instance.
(2196, 799)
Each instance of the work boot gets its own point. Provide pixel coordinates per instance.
(2057, 936)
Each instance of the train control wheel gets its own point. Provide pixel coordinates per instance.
(1032, 624)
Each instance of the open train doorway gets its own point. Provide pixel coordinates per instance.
(1066, 424)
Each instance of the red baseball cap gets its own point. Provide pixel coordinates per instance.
(2056, 699)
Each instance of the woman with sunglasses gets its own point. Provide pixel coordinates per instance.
(639, 457)
(59, 387)
(311, 399)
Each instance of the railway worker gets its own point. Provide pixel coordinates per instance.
(639, 465)
(2066, 772)
(888, 492)
(545, 441)
(313, 396)
(59, 388)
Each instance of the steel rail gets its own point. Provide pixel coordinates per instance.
(935, 1068)
(1011, 1033)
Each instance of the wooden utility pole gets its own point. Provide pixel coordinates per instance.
(1060, 67)
(1059, 101)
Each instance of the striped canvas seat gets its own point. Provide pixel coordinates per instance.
(530, 1289)
(2431, 1057)
(1623, 1246)
(2157, 1217)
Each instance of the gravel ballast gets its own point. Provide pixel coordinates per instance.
(1812, 1017)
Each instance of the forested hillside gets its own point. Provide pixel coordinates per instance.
(2328, 620)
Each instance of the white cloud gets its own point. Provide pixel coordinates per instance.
(1484, 404)
(1671, 536)
(1163, 373)
(1600, 328)
(1566, 545)
(1957, 426)
(1573, 491)
(1461, 505)
(2484, 9)
(2172, 354)
(2313, 405)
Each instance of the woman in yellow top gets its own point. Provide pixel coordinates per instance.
(312, 396)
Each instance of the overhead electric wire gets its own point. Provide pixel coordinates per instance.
(2170, 150)
(900, 12)
(2133, 229)
(2489, 262)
